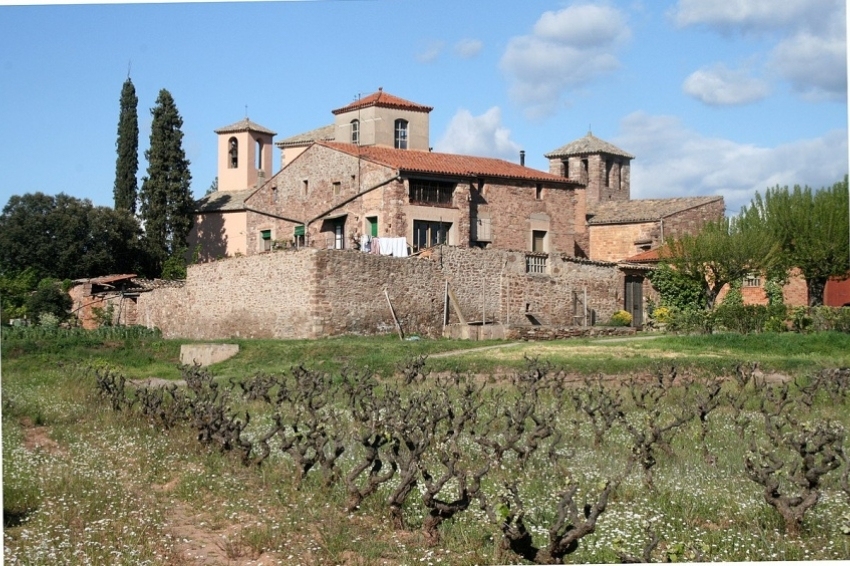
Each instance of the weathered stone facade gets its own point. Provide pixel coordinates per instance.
(311, 293)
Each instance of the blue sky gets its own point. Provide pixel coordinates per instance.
(711, 97)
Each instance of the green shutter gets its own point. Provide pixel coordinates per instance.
(299, 230)
(267, 234)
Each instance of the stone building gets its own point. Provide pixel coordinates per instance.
(370, 181)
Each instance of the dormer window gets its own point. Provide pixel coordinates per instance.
(233, 153)
(355, 132)
(401, 134)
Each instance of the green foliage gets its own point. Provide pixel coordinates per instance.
(810, 228)
(675, 290)
(127, 163)
(65, 237)
(14, 291)
(166, 197)
(49, 298)
(662, 315)
(723, 252)
(104, 316)
(773, 291)
(175, 266)
(621, 318)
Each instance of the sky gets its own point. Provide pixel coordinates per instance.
(712, 98)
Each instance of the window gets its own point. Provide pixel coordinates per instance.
(401, 134)
(566, 163)
(431, 192)
(233, 153)
(337, 188)
(355, 131)
(259, 154)
(305, 185)
(752, 280)
(538, 191)
(265, 240)
(429, 233)
(274, 194)
(609, 164)
(535, 264)
(372, 225)
(339, 234)
(538, 241)
(298, 236)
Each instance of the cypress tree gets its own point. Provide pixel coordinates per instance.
(166, 198)
(127, 144)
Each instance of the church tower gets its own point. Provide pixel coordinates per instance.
(244, 155)
(603, 168)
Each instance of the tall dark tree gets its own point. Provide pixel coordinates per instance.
(166, 198)
(127, 144)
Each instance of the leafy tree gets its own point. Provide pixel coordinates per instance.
(811, 229)
(14, 292)
(65, 237)
(675, 289)
(724, 252)
(166, 198)
(127, 163)
(49, 297)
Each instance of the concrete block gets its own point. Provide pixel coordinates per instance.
(206, 354)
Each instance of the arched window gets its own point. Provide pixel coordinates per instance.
(401, 134)
(355, 131)
(259, 154)
(233, 153)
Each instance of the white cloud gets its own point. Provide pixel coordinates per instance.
(720, 86)
(816, 66)
(675, 161)
(755, 15)
(811, 46)
(430, 52)
(468, 48)
(482, 135)
(565, 50)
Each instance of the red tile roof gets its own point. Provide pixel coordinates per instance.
(383, 100)
(449, 164)
(649, 256)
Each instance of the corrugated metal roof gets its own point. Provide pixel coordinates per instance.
(643, 210)
(448, 164)
(384, 100)
(587, 145)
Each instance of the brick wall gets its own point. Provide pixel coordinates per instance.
(311, 293)
(616, 242)
(690, 221)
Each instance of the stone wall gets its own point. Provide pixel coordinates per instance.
(311, 293)
(262, 296)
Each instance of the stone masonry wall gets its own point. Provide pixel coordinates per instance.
(312, 293)
(263, 296)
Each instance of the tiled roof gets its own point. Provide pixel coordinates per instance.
(223, 201)
(644, 210)
(649, 256)
(245, 125)
(587, 145)
(383, 100)
(325, 133)
(106, 279)
(449, 164)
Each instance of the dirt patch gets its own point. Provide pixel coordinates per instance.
(38, 438)
(198, 545)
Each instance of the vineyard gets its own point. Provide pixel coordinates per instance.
(534, 463)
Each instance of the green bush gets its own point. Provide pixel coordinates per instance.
(692, 321)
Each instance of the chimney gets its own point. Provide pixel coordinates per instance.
(522, 157)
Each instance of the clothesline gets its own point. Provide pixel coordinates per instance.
(396, 247)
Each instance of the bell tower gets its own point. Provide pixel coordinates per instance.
(244, 155)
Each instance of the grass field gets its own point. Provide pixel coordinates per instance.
(86, 484)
